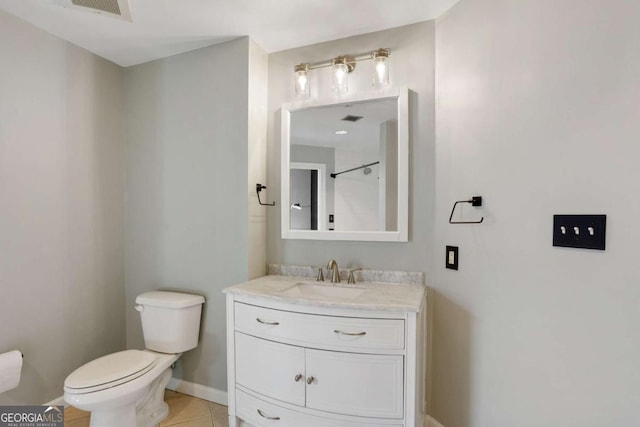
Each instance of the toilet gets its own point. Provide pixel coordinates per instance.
(126, 389)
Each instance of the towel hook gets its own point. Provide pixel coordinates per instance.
(259, 188)
(475, 201)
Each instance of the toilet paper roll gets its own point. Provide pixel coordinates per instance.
(10, 369)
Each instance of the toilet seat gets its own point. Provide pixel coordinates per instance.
(109, 371)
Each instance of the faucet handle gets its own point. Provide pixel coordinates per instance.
(352, 278)
(320, 277)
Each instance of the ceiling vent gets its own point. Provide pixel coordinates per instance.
(351, 118)
(115, 8)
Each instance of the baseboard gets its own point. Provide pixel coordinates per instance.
(198, 390)
(431, 422)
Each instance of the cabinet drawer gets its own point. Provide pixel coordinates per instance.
(347, 333)
(259, 413)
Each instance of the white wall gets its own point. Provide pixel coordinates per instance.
(356, 194)
(537, 111)
(187, 190)
(412, 65)
(61, 208)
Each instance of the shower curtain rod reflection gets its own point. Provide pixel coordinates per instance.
(333, 175)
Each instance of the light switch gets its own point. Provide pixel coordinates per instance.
(580, 231)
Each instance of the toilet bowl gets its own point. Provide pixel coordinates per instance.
(126, 389)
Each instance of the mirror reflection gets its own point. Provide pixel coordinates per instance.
(344, 167)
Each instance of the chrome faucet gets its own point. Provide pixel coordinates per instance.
(335, 272)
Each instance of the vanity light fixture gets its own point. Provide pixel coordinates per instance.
(341, 67)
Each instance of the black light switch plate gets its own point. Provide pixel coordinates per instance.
(451, 261)
(580, 231)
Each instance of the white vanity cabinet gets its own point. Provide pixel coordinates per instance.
(368, 385)
(297, 365)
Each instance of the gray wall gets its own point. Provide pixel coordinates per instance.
(61, 204)
(537, 107)
(412, 65)
(257, 159)
(186, 189)
(536, 111)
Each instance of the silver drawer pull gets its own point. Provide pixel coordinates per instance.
(298, 377)
(349, 333)
(269, 418)
(267, 323)
(310, 380)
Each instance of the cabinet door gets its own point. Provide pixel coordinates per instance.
(366, 385)
(270, 368)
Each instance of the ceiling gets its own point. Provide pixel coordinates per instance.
(317, 126)
(163, 28)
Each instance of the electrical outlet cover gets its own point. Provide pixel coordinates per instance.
(451, 261)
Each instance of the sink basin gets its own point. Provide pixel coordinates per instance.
(310, 290)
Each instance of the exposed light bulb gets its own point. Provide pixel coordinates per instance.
(302, 84)
(381, 68)
(382, 75)
(340, 75)
(302, 81)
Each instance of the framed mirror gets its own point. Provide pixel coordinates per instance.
(344, 169)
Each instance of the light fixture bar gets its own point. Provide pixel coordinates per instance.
(354, 58)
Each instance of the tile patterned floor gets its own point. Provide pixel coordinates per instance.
(184, 411)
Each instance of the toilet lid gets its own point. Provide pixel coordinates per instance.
(109, 369)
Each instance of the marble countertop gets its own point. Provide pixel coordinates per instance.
(362, 295)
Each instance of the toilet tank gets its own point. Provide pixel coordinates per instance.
(170, 320)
